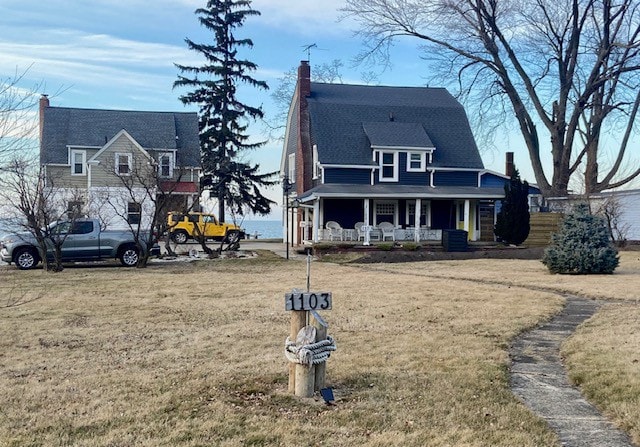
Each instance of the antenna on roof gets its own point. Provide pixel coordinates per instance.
(307, 48)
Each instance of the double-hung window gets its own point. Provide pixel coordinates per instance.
(416, 161)
(78, 162)
(411, 214)
(388, 166)
(134, 213)
(165, 165)
(123, 164)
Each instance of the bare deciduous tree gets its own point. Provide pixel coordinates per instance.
(34, 201)
(567, 69)
(142, 197)
(17, 120)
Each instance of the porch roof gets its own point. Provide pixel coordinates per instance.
(344, 191)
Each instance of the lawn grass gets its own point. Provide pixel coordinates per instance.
(192, 354)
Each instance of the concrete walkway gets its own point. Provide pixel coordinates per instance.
(538, 378)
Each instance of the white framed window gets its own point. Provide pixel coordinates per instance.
(123, 163)
(134, 213)
(388, 166)
(165, 165)
(385, 211)
(416, 161)
(316, 163)
(292, 168)
(424, 213)
(78, 162)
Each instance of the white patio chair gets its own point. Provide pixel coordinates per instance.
(358, 227)
(388, 230)
(335, 230)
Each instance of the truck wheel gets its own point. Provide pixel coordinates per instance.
(26, 258)
(129, 256)
(179, 237)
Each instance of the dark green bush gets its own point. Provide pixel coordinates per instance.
(512, 221)
(411, 246)
(581, 246)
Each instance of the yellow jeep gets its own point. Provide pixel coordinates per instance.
(183, 227)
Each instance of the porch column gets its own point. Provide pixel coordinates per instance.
(367, 224)
(316, 220)
(305, 237)
(418, 218)
(467, 212)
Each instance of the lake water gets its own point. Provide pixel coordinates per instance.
(266, 229)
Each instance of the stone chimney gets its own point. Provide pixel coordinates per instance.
(509, 166)
(44, 103)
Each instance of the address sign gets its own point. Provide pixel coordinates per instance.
(307, 301)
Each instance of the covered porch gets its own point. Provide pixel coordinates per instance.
(417, 214)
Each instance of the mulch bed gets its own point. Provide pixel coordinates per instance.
(375, 256)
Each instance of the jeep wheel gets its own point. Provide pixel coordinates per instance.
(129, 257)
(231, 241)
(232, 237)
(26, 258)
(179, 237)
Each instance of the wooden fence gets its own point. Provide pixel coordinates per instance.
(543, 225)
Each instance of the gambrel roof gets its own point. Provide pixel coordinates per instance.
(64, 126)
(343, 124)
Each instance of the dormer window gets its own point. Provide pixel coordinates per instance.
(388, 166)
(78, 162)
(416, 161)
(165, 165)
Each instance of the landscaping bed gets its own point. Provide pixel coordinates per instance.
(392, 253)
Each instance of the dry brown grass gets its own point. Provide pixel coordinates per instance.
(192, 355)
(604, 359)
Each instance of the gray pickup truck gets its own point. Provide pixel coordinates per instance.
(83, 240)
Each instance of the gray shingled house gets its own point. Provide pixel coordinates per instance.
(361, 159)
(92, 156)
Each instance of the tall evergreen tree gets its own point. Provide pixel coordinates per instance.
(223, 118)
(512, 222)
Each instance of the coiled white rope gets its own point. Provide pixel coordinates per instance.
(308, 354)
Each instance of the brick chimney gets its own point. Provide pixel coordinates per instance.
(44, 103)
(509, 166)
(304, 78)
(304, 155)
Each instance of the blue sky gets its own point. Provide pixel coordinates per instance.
(120, 54)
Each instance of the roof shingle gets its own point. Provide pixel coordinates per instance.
(65, 126)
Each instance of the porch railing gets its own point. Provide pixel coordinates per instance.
(399, 234)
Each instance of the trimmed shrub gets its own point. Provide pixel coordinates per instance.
(581, 246)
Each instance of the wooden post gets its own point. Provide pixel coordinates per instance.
(301, 377)
(298, 321)
(321, 334)
(305, 379)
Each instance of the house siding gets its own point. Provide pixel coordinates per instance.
(104, 174)
(60, 177)
(347, 175)
(492, 181)
(344, 211)
(455, 178)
